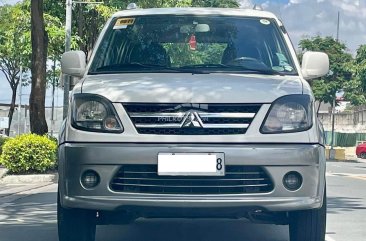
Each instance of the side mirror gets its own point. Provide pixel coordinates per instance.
(73, 63)
(314, 65)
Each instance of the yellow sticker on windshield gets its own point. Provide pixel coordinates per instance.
(123, 23)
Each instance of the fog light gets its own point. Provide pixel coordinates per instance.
(90, 179)
(292, 181)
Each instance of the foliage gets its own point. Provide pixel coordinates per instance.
(360, 70)
(341, 64)
(52, 138)
(2, 142)
(181, 55)
(181, 3)
(14, 48)
(15, 44)
(88, 19)
(15, 38)
(215, 3)
(29, 153)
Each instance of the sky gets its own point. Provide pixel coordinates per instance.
(301, 18)
(319, 17)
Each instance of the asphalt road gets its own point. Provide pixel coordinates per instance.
(33, 217)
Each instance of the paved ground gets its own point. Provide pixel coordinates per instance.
(25, 217)
(347, 201)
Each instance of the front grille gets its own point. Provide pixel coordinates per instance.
(192, 119)
(237, 180)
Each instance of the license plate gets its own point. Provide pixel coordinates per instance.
(191, 164)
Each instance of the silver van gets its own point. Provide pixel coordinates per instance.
(191, 113)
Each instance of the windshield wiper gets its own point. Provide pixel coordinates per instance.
(198, 66)
(265, 70)
(117, 67)
(135, 66)
(268, 71)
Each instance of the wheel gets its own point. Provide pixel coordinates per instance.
(309, 225)
(75, 224)
(363, 155)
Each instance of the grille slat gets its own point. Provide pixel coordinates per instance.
(155, 115)
(186, 179)
(158, 126)
(145, 179)
(174, 186)
(227, 115)
(191, 119)
(213, 126)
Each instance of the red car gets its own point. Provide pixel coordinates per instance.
(361, 150)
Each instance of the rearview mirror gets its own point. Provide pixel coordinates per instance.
(202, 28)
(314, 65)
(199, 28)
(73, 63)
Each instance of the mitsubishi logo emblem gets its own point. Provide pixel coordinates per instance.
(192, 120)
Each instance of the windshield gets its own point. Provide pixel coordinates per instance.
(193, 43)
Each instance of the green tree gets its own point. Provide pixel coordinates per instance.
(15, 48)
(360, 70)
(215, 3)
(341, 64)
(15, 44)
(88, 19)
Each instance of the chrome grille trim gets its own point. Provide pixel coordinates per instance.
(241, 126)
(156, 115)
(201, 114)
(191, 119)
(158, 125)
(226, 115)
(220, 126)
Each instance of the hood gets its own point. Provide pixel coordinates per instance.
(192, 88)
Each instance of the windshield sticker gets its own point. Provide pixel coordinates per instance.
(265, 21)
(124, 23)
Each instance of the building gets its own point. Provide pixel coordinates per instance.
(20, 122)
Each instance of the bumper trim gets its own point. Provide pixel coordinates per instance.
(268, 204)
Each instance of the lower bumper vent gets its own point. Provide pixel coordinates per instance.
(238, 180)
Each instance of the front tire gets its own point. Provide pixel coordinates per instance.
(309, 225)
(75, 224)
(363, 155)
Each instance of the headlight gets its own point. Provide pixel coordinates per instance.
(292, 113)
(94, 113)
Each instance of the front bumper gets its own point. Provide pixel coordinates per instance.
(276, 159)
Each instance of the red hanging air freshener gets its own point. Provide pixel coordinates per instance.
(192, 43)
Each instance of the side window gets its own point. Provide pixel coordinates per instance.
(277, 54)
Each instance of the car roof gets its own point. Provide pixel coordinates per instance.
(236, 12)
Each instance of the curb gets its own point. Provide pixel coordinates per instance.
(28, 179)
(336, 160)
(350, 160)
